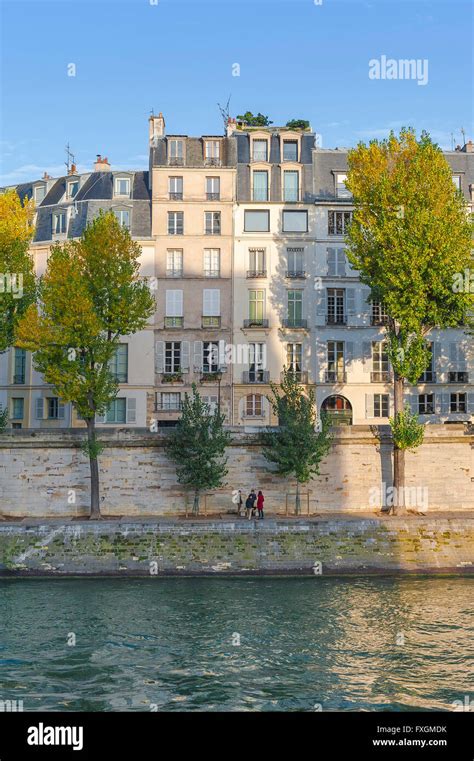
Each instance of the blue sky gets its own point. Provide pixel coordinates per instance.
(297, 59)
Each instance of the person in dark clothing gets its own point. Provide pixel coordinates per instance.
(250, 504)
(260, 501)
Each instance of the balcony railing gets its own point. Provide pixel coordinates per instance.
(295, 274)
(213, 196)
(335, 376)
(256, 273)
(256, 376)
(210, 322)
(175, 196)
(295, 323)
(174, 322)
(212, 273)
(176, 161)
(173, 376)
(168, 406)
(458, 376)
(301, 376)
(18, 379)
(174, 273)
(256, 323)
(212, 161)
(259, 156)
(427, 377)
(380, 376)
(336, 319)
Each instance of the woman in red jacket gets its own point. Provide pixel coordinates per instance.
(260, 501)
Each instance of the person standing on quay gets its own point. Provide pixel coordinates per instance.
(260, 501)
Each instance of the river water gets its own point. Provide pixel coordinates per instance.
(254, 644)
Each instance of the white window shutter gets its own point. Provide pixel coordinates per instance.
(350, 301)
(365, 305)
(453, 355)
(160, 356)
(366, 355)
(198, 356)
(40, 408)
(61, 410)
(341, 262)
(131, 410)
(221, 354)
(211, 298)
(174, 303)
(445, 400)
(413, 402)
(470, 403)
(185, 355)
(349, 351)
(320, 300)
(369, 405)
(462, 359)
(331, 261)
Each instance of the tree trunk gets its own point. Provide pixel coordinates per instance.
(297, 499)
(196, 503)
(398, 454)
(94, 465)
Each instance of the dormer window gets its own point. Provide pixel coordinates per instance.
(457, 181)
(176, 152)
(59, 223)
(123, 216)
(290, 150)
(260, 150)
(212, 149)
(122, 186)
(39, 193)
(341, 189)
(72, 188)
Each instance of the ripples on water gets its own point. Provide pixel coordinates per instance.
(168, 643)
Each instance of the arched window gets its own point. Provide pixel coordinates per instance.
(339, 410)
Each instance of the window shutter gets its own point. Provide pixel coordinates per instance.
(160, 356)
(349, 351)
(445, 400)
(174, 303)
(40, 408)
(369, 405)
(221, 354)
(351, 308)
(462, 359)
(413, 402)
(341, 262)
(198, 356)
(331, 259)
(435, 353)
(131, 410)
(320, 307)
(470, 403)
(211, 298)
(185, 355)
(365, 306)
(453, 355)
(61, 410)
(366, 355)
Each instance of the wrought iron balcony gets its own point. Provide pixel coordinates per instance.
(336, 319)
(256, 323)
(174, 322)
(176, 161)
(256, 376)
(210, 322)
(19, 379)
(168, 406)
(174, 273)
(212, 161)
(172, 376)
(212, 273)
(256, 273)
(458, 376)
(295, 274)
(297, 323)
(380, 376)
(176, 196)
(335, 376)
(301, 376)
(213, 196)
(259, 156)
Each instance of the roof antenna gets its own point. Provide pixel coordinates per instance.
(71, 159)
(463, 133)
(225, 112)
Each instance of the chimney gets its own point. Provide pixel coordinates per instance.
(231, 126)
(156, 127)
(468, 147)
(46, 176)
(102, 164)
(72, 169)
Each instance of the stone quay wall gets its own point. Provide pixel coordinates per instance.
(46, 474)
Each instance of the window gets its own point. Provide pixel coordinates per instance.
(295, 308)
(341, 190)
(335, 371)
(19, 366)
(213, 188)
(170, 401)
(116, 411)
(260, 186)
(172, 357)
(257, 221)
(457, 181)
(212, 222)
(295, 221)
(59, 222)
(458, 403)
(211, 307)
(253, 405)
(212, 262)
(295, 259)
(212, 150)
(260, 150)
(256, 305)
(381, 405)
(290, 150)
(257, 362)
(39, 193)
(174, 309)
(256, 262)
(175, 223)
(72, 188)
(174, 262)
(294, 354)
(290, 186)
(338, 222)
(336, 262)
(119, 364)
(54, 408)
(212, 402)
(210, 356)
(17, 408)
(123, 216)
(429, 376)
(380, 361)
(426, 404)
(176, 188)
(176, 152)
(336, 306)
(379, 315)
(122, 186)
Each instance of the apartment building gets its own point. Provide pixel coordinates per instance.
(193, 192)
(64, 206)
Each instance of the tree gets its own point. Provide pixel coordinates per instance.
(409, 237)
(298, 124)
(90, 295)
(297, 447)
(197, 446)
(255, 121)
(17, 278)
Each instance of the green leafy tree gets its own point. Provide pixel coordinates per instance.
(409, 237)
(197, 445)
(297, 447)
(298, 124)
(17, 278)
(260, 120)
(90, 296)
